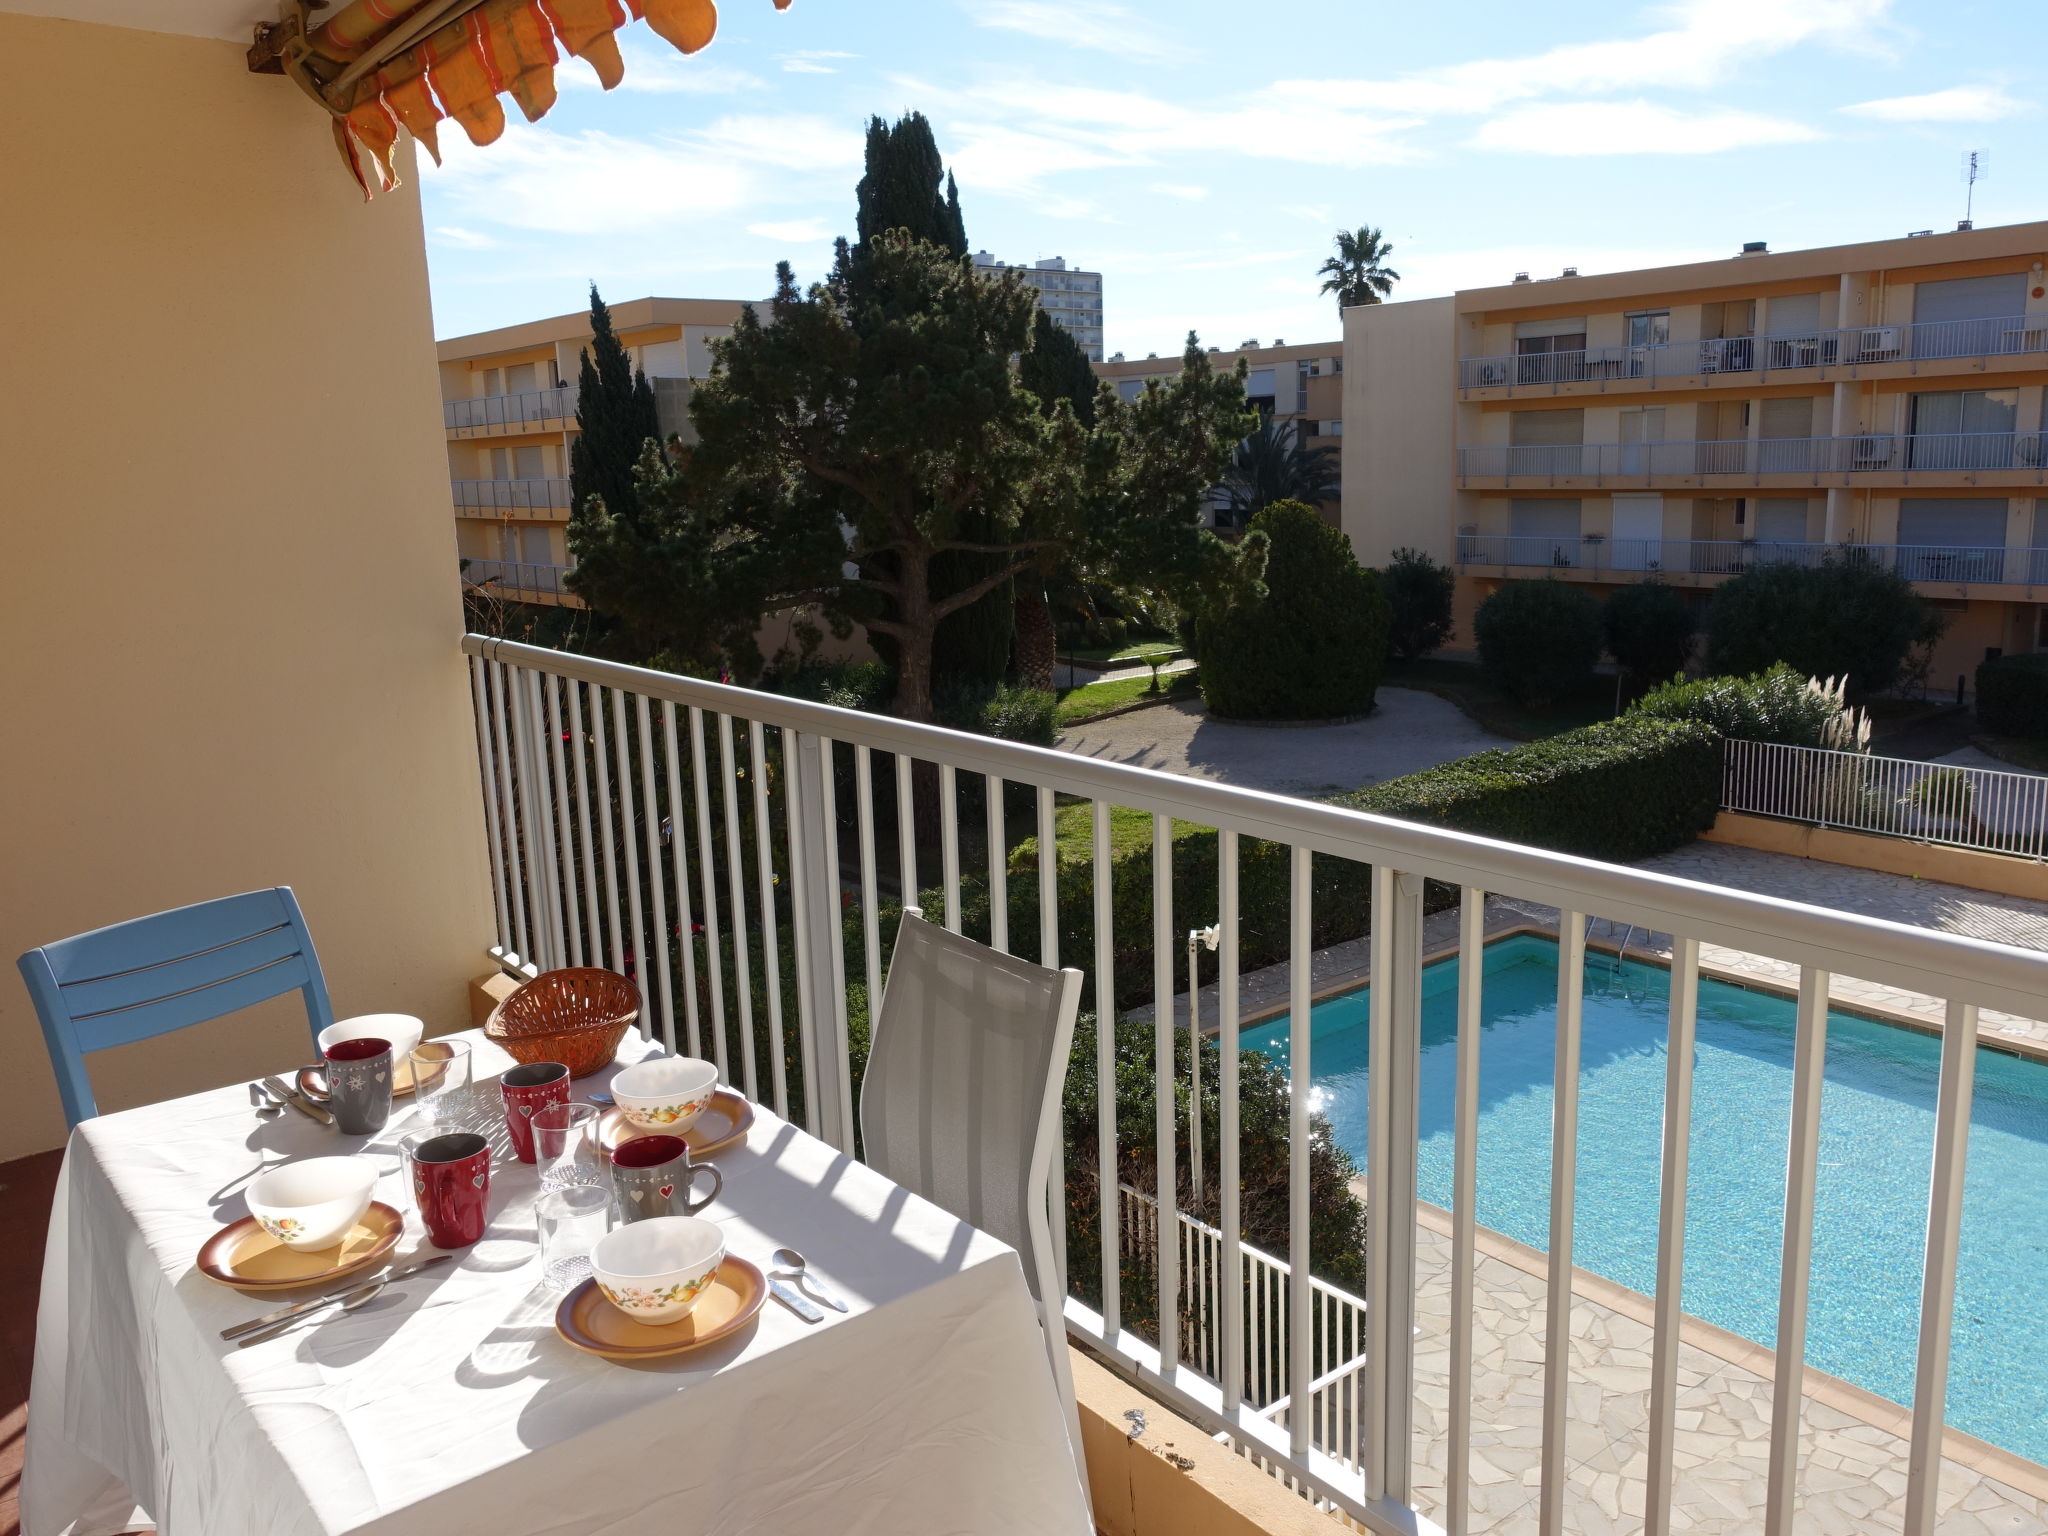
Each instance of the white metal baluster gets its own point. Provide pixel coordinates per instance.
(771, 951)
(1564, 1159)
(515, 843)
(736, 886)
(593, 922)
(1105, 1068)
(1228, 1215)
(999, 877)
(1678, 1064)
(1194, 1075)
(491, 820)
(949, 837)
(1464, 1206)
(679, 864)
(565, 843)
(707, 885)
(611, 841)
(1164, 1077)
(629, 853)
(1938, 1282)
(1395, 1025)
(540, 791)
(650, 812)
(1809, 1065)
(842, 1063)
(870, 898)
(1049, 956)
(1300, 1089)
(906, 833)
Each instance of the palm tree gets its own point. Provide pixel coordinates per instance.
(1274, 464)
(1357, 274)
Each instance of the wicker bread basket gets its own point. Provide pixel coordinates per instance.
(576, 1016)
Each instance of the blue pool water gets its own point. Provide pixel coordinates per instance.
(1876, 1150)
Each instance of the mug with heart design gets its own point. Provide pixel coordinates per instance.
(354, 1081)
(527, 1089)
(653, 1176)
(451, 1181)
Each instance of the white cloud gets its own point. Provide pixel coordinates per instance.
(1632, 128)
(1108, 28)
(463, 239)
(1186, 193)
(798, 231)
(810, 61)
(662, 71)
(1957, 104)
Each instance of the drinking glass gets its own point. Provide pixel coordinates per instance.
(440, 1078)
(565, 1145)
(570, 1221)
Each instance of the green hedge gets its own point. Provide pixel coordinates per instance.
(2012, 696)
(1620, 790)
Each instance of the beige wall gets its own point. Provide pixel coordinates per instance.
(1399, 387)
(231, 638)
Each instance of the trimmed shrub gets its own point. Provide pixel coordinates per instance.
(1620, 790)
(2012, 696)
(1419, 591)
(1846, 617)
(1006, 711)
(1648, 629)
(1537, 639)
(1776, 705)
(1314, 645)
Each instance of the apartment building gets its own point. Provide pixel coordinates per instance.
(1301, 385)
(1690, 421)
(508, 412)
(1072, 297)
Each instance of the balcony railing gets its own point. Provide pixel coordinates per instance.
(511, 577)
(2010, 336)
(500, 495)
(1761, 458)
(1597, 554)
(528, 405)
(732, 851)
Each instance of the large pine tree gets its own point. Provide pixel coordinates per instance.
(615, 418)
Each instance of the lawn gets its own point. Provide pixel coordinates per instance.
(1137, 651)
(1096, 699)
(1461, 683)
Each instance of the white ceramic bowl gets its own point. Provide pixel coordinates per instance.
(656, 1270)
(401, 1029)
(314, 1203)
(665, 1094)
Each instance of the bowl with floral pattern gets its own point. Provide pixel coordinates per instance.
(666, 1094)
(656, 1270)
(313, 1203)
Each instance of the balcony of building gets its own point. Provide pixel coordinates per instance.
(1940, 348)
(529, 410)
(546, 495)
(1901, 458)
(1946, 570)
(520, 581)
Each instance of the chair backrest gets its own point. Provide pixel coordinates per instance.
(154, 974)
(960, 1102)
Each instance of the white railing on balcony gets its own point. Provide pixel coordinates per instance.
(511, 577)
(1761, 458)
(513, 495)
(2009, 336)
(733, 850)
(1597, 554)
(1979, 808)
(528, 405)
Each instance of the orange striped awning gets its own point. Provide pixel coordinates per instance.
(382, 65)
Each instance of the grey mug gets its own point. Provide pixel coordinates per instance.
(354, 1082)
(653, 1176)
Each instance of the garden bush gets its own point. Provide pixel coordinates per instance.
(1777, 705)
(1648, 629)
(1845, 617)
(1007, 711)
(1537, 639)
(1620, 790)
(1313, 645)
(1419, 592)
(2012, 696)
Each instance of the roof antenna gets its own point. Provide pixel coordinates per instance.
(1976, 166)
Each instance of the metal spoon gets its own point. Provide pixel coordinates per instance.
(263, 1103)
(362, 1295)
(788, 1259)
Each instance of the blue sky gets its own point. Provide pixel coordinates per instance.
(1201, 154)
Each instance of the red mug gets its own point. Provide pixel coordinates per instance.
(451, 1180)
(527, 1089)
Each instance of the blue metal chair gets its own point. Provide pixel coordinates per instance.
(154, 974)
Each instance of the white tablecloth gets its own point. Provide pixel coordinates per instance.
(450, 1406)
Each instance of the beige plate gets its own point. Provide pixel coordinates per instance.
(248, 1258)
(726, 1120)
(597, 1327)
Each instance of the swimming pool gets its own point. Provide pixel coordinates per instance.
(1876, 1148)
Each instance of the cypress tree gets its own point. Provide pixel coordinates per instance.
(902, 188)
(615, 417)
(1055, 368)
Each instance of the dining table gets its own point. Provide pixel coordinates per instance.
(450, 1404)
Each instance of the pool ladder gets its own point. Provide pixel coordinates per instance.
(1618, 969)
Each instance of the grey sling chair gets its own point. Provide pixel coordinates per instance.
(961, 1101)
